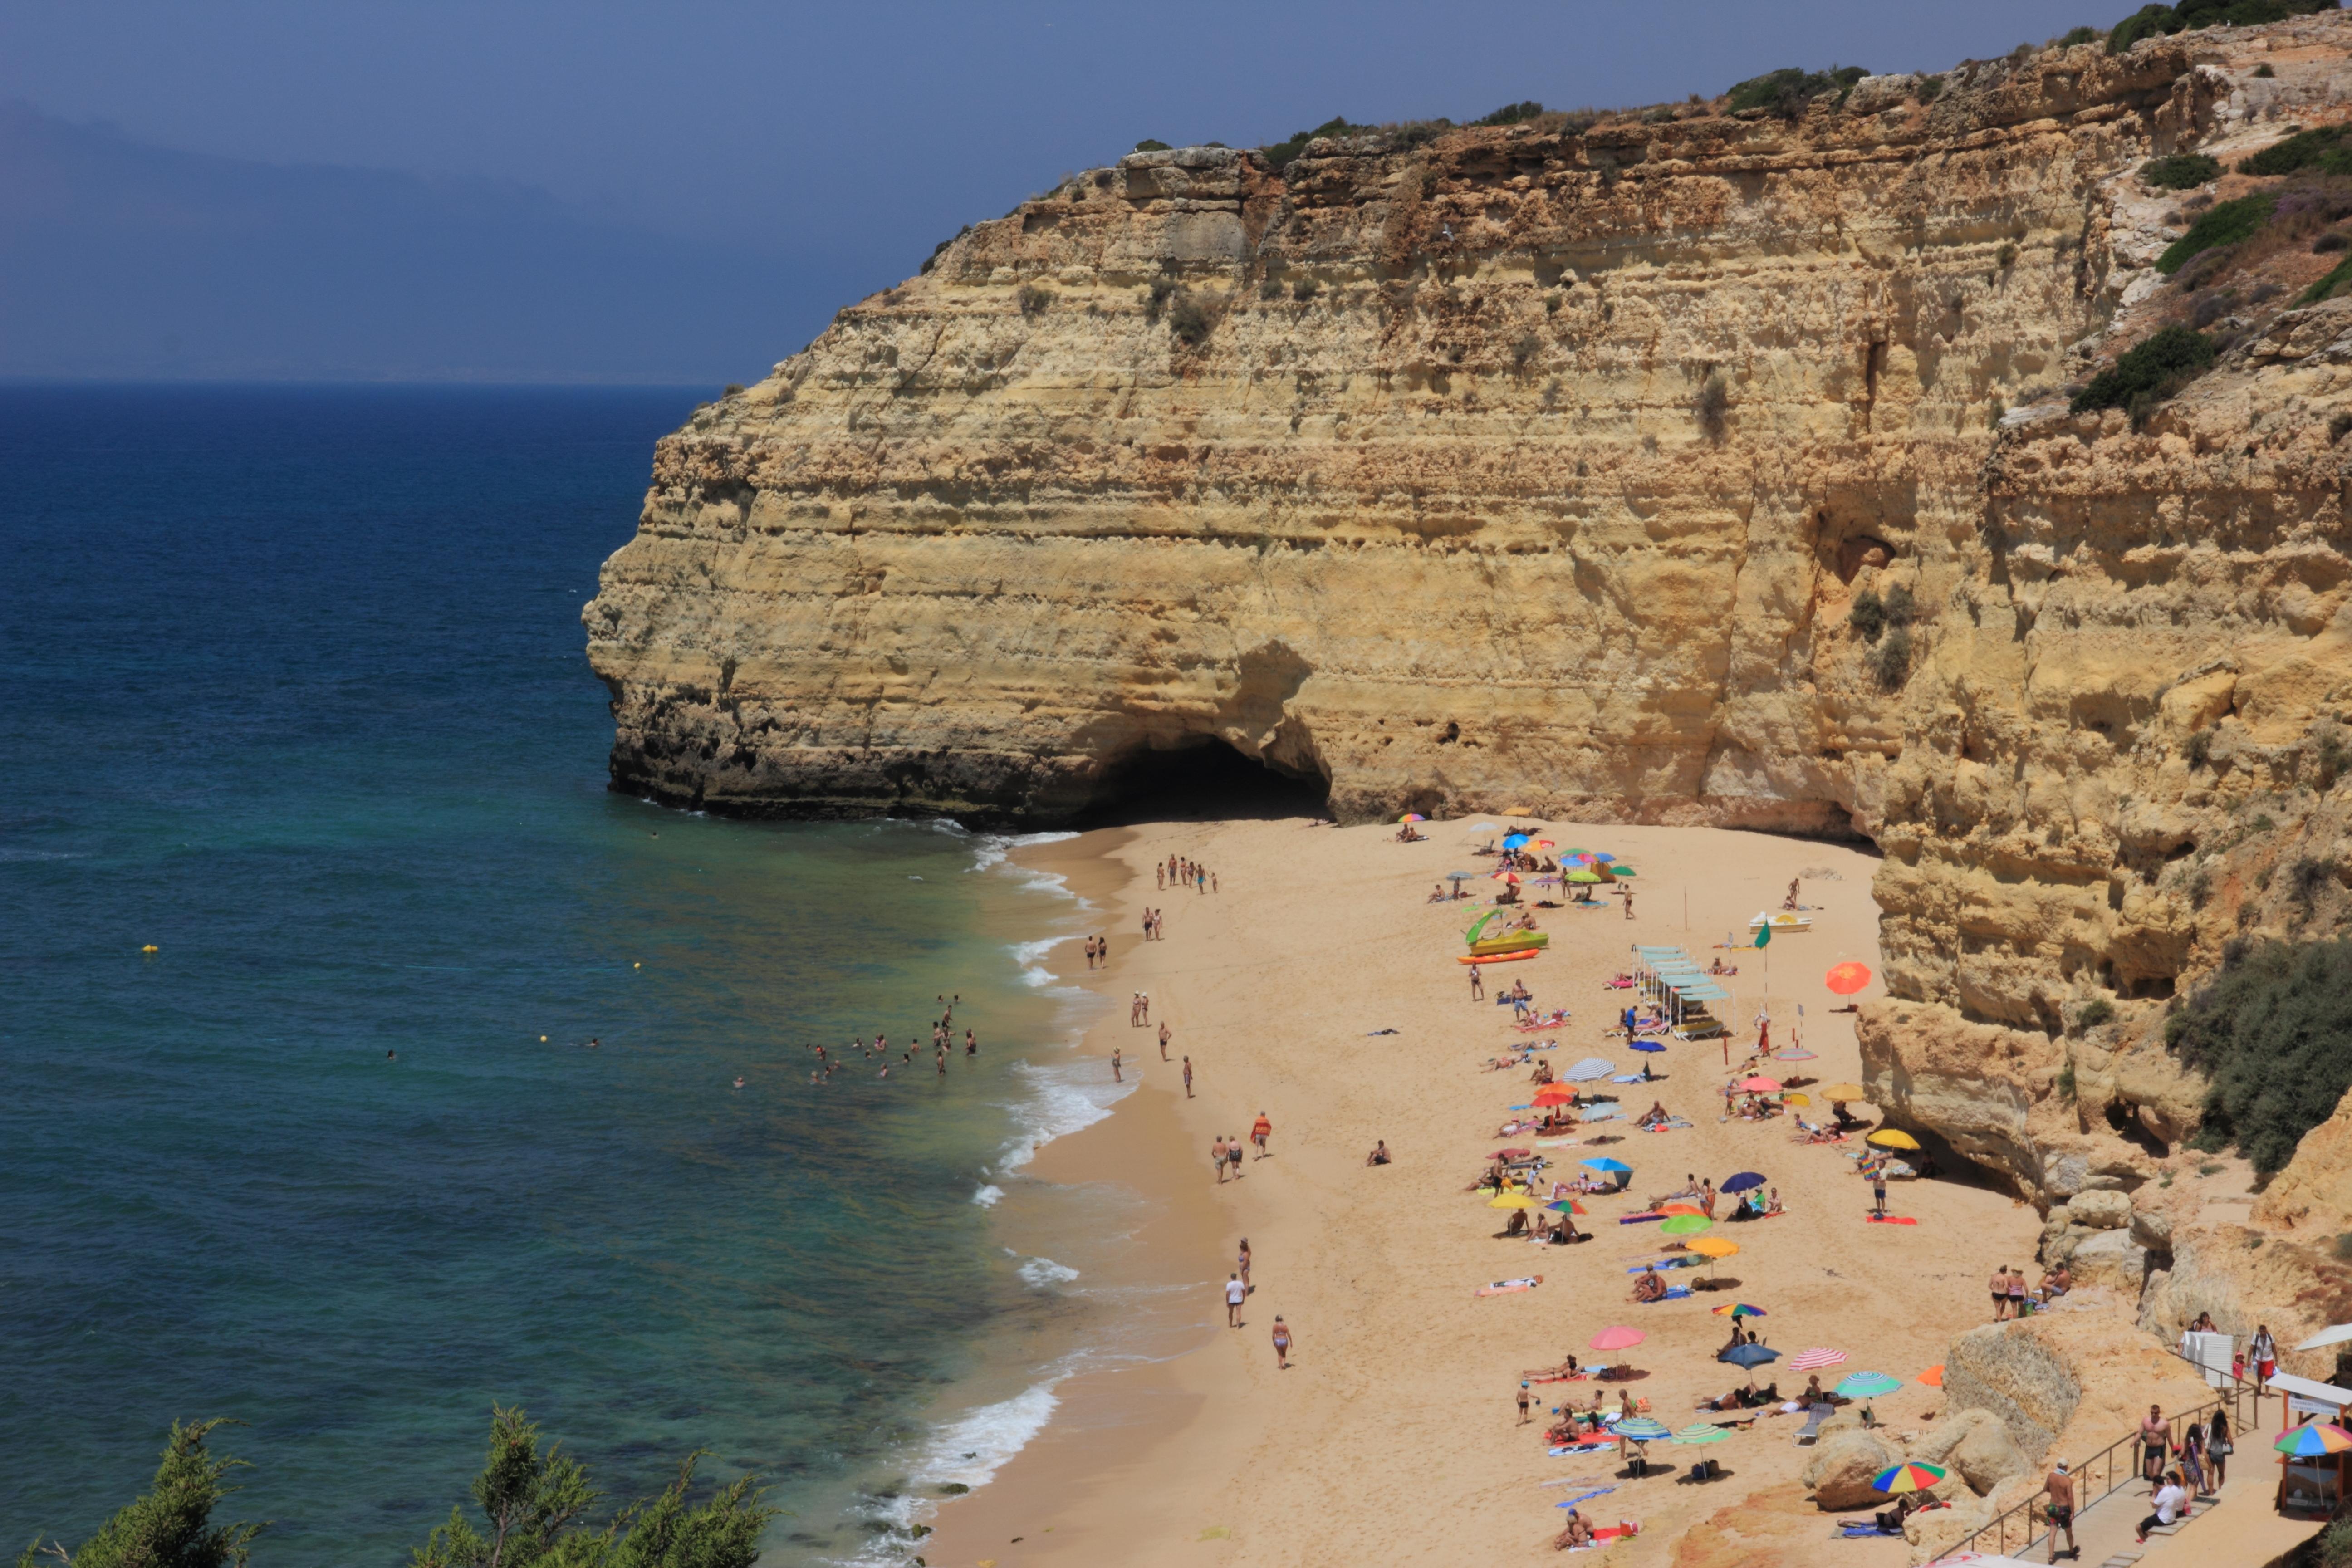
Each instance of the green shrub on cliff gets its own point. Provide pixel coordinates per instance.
(2273, 1034)
(1789, 88)
(2162, 21)
(1280, 152)
(2322, 149)
(2223, 223)
(2147, 375)
(1512, 113)
(534, 1505)
(1187, 323)
(2181, 172)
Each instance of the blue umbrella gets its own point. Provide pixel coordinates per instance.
(1742, 1182)
(1514, 840)
(1606, 1164)
(1749, 1355)
(1648, 1046)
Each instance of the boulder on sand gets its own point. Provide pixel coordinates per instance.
(1977, 1445)
(1840, 1476)
(2099, 1210)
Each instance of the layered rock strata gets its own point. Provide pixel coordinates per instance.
(1548, 464)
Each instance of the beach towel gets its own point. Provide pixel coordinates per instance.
(1851, 1532)
(1674, 1293)
(1578, 1450)
(1588, 1497)
(1639, 1219)
(1663, 1263)
(1504, 1286)
(1887, 1219)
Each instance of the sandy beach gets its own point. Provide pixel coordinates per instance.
(1393, 1436)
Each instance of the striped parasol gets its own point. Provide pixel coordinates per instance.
(1641, 1429)
(1815, 1359)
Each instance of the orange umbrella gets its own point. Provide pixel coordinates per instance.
(1934, 1377)
(1680, 1208)
(1555, 1094)
(1846, 979)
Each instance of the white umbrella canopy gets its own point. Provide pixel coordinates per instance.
(1590, 1069)
(2335, 1336)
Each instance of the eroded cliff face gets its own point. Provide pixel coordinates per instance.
(1546, 465)
(1520, 463)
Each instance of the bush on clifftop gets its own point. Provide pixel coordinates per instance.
(2148, 373)
(1280, 152)
(2181, 172)
(1789, 88)
(2223, 223)
(2162, 21)
(2322, 149)
(2273, 1032)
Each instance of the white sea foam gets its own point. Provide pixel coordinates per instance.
(1039, 1273)
(971, 1448)
(993, 848)
(1060, 1100)
(1029, 954)
(987, 1195)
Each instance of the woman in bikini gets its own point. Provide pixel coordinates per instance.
(1243, 1262)
(1281, 1344)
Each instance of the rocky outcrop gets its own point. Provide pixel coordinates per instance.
(1839, 1476)
(1976, 1444)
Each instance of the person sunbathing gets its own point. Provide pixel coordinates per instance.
(1574, 1535)
(1651, 1286)
(1567, 1367)
(1657, 1113)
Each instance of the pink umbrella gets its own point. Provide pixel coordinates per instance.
(1759, 1086)
(1618, 1339)
(1815, 1359)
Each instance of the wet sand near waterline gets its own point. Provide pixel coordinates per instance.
(1392, 1439)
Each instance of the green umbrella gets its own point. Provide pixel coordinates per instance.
(1868, 1385)
(1641, 1429)
(1685, 1225)
(1583, 875)
(1621, 871)
(1702, 1432)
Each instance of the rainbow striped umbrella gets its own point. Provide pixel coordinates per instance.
(1908, 1477)
(2313, 1439)
(1741, 1310)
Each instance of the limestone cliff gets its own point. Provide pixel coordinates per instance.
(1549, 463)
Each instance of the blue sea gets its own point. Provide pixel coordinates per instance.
(296, 694)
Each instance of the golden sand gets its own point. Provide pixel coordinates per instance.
(1393, 1438)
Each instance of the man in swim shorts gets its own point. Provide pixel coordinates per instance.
(1235, 1294)
(2061, 1509)
(1260, 1132)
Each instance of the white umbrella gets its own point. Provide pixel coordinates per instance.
(2335, 1336)
(1590, 1069)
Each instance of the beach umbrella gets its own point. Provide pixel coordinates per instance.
(1910, 1476)
(2313, 1439)
(1641, 1429)
(1572, 852)
(1603, 859)
(1621, 871)
(1715, 1248)
(1460, 875)
(1934, 1377)
(1681, 1208)
(1514, 840)
(1750, 1356)
(1760, 1085)
(1504, 876)
(1565, 1206)
(1543, 844)
(1606, 1164)
(1651, 1046)
(1845, 979)
(2335, 1336)
(1740, 1309)
(1742, 1182)
(1589, 1069)
(1796, 1099)
(1619, 1338)
(1685, 1225)
(1412, 816)
(1867, 1384)
(1585, 876)
(1701, 1432)
(1513, 1201)
(1554, 1094)
(1845, 1091)
(1893, 1138)
(1815, 1359)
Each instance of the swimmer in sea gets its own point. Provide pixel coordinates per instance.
(593, 1042)
(389, 1055)
(739, 1081)
(970, 1045)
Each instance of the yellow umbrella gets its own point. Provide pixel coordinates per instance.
(1845, 1091)
(1711, 1246)
(1794, 1098)
(1515, 811)
(1513, 1201)
(1893, 1138)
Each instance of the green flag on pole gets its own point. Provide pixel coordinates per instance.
(1764, 934)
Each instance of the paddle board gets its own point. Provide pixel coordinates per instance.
(1503, 958)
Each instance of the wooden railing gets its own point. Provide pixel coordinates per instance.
(2108, 1471)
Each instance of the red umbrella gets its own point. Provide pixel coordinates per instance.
(1759, 1086)
(1846, 979)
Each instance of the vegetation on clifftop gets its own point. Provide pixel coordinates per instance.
(2148, 375)
(534, 1505)
(2162, 21)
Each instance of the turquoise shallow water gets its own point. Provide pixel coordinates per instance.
(297, 694)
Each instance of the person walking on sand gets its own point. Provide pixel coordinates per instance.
(1234, 1153)
(1260, 1131)
(1235, 1294)
(1188, 1078)
(1281, 1345)
(1629, 903)
(1143, 1001)
(1217, 1158)
(1147, 925)
(2061, 1509)
(1242, 1262)
(1477, 986)
(1706, 1198)
(1525, 1400)
(1164, 1040)
(1116, 1076)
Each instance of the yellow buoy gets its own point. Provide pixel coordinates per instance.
(542, 1040)
(151, 947)
(636, 966)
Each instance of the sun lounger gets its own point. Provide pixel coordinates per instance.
(1810, 1433)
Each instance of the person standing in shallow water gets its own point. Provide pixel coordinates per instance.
(1116, 1076)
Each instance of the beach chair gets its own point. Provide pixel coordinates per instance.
(1810, 1433)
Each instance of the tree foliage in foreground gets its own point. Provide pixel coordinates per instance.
(533, 1509)
(2273, 1033)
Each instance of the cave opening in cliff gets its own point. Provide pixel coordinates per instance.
(1205, 781)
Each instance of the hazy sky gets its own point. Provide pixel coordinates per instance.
(694, 188)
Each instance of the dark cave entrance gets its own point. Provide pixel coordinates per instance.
(1205, 781)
